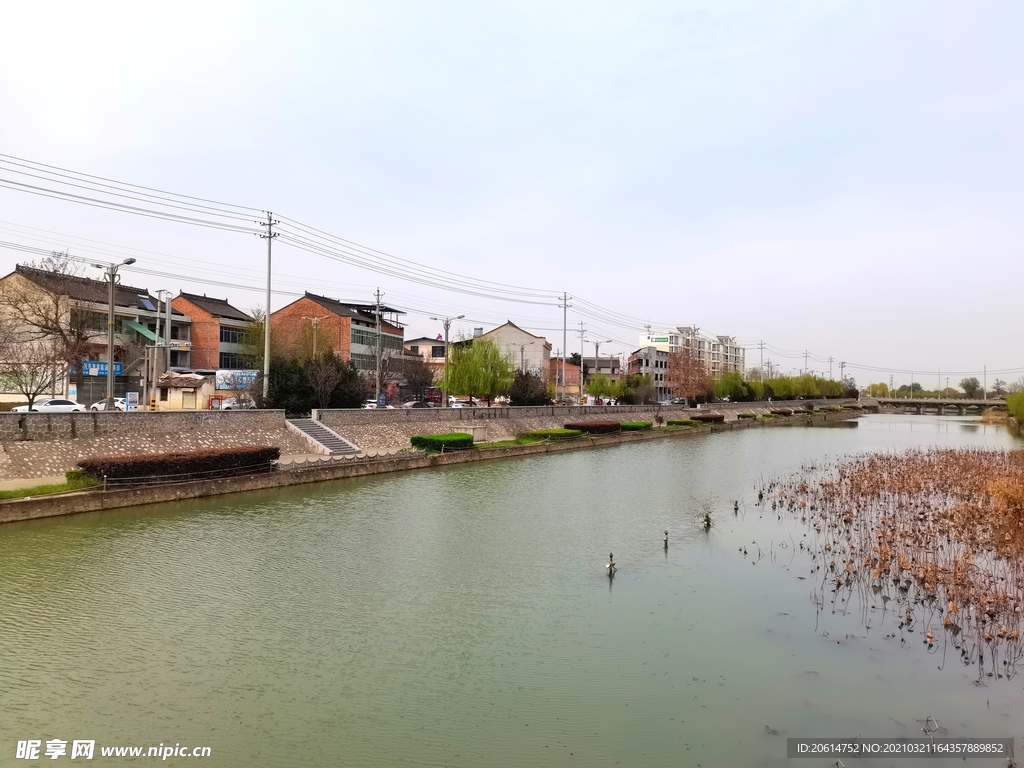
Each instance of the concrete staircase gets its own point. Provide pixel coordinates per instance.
(331, 442)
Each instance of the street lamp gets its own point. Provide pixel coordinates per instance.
(447, 323)
(111, 276)
(316, 327)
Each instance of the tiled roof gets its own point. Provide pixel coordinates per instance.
(216, 307)
(92, 291)
(351, 309)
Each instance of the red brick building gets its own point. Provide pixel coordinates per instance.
(217, 331)
(347, 328)
(572, 377)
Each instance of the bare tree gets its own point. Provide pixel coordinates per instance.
(31, 369)
(686, 375)
(324, 375)
(39, 304)
(418, 375)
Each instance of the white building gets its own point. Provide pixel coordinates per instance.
(527, 351)
(719, 354)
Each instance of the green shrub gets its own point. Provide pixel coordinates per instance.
(1015, 405)
(748, 415)
(635, 426)
(453, 441)
(595, 427)
(683, 423)
(767, 416)
(782, 412)
(191, 465)
(555, 434)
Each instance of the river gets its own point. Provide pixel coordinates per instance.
(463, 617)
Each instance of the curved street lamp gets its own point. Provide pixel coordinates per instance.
(447, 323)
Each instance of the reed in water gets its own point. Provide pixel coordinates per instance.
(941, 532)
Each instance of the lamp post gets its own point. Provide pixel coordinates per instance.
(110, 271)
(447, 323)
(522, 355)
(316, 327)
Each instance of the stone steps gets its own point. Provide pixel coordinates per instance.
(334, 443)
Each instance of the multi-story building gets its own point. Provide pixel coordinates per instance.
(348, 328)
(719, 354)
(65, 316)
(217, 333)
(652, 361)
(431, 350)
(528, 352)
(609, 367)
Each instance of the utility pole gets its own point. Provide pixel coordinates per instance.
(830, 367)
(597, 354)
(316, 327)
(269, 236)
(165, 296)
(891, 392)
(806, 353)
(760, 346)
(112, 278)
(842, 368)
(984, 386)
(377, 356)
(447, 323)
(582, 334)
(522, 355)
(565, 336)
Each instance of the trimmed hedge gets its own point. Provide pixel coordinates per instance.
(183, 466)
(748, 415)
(635, 426)
(595, 427)
(683, 423)
(556, 434)
(453, 441)
(767, 416)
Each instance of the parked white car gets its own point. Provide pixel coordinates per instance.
(102, 405)
(238, 404)
(54, 405)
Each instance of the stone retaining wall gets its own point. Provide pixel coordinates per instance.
(90, 501)
(380, 428)
(57, 442)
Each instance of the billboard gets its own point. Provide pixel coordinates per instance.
(236, 381)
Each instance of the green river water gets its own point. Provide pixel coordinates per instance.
(463, 617)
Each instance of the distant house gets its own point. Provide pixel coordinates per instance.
(572, 377)
(82, 304)
(652, 361)
(218, 330)
(348, 328)
(527, 351)
(431, 350)
(184, 391)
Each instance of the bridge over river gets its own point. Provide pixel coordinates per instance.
(939, 405)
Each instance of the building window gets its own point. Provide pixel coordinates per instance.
(163, 394)
(231, 335)
(437, 351)
(368, 338)
(414, 349)
(230, 361)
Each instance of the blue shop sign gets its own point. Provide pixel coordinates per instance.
(98, 368)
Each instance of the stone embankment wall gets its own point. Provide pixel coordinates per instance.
(382, 428)
(46, 444)
(96, 500)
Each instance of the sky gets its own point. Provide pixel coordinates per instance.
(837, 177)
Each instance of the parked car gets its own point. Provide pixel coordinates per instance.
(53, 405)
(371, 404)
(238, 404)
(119, 405)
(415, 404)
